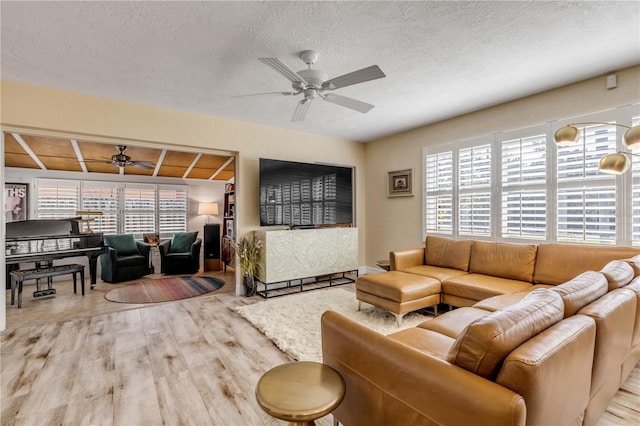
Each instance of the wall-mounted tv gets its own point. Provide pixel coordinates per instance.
(305, 194)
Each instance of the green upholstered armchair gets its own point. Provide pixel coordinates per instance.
(126, 260)
(180, 254)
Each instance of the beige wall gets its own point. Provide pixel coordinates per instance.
(390, 223)
(33, 109)
(396, 223)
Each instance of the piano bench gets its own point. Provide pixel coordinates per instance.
(21, 275)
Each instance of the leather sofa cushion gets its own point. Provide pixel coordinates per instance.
(634, 262)
(398, 286)
(484, 344)
(437, 272)
(580, 291)
(513, 261)
(426, 341)
(618, 273)
(558, 263)
(447, 252)
(479, 287)
(454, 322)
(502, 301)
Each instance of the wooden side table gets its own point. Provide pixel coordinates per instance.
(300, 392)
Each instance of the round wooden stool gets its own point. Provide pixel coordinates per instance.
(300, 392)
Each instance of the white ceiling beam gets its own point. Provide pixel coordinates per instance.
(26, 147)
(76, 148)
(160, 161)
(221, 168)
(193, 164)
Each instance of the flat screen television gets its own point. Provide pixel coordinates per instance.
(305, 194)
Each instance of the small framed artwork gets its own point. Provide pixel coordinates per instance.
(400, 183)
(16, 204)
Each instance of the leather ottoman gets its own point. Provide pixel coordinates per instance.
(398, 292)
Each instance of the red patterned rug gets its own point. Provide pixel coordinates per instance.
(164, 289)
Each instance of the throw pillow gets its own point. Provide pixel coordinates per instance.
(181, 241)
(124, 244)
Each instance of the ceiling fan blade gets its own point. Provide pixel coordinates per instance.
(365, 74)
(283, 69)
(267, 93)
(146, 165)
(301, 110)
(350, 103)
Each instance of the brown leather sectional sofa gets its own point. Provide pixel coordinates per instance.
(544, 335)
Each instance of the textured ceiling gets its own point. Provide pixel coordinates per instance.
(442, 59)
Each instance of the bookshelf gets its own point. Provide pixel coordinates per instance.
(228, 226)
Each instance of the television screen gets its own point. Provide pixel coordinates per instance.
(305, 194)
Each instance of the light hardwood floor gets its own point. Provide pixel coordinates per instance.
(77, 360)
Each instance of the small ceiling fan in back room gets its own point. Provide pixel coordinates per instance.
(313, 84)
(122, 160)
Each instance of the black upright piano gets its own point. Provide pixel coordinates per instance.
(44, 240)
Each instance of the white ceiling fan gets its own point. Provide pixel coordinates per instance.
(314, 84)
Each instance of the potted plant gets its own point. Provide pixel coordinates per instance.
(249, 254)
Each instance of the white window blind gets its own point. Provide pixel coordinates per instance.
(474, 184)
(139, 209)
(102, 197)
(126, 208)
(635, 197)
(523, 187)
(172, 214)
(56, 199)
(587, 198)
(517, 185)
(439, 192)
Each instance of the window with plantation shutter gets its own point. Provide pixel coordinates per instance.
(586, 198)
(139, 209)
(56, 199)
(524, 196)
(438, 203)
(635, 189)
(129, 208)
(102, 197)
(474, 186)
(518, 185)
(172, 214)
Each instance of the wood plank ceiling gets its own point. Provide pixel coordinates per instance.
(37, 152)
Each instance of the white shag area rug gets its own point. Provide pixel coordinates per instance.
(292, 322)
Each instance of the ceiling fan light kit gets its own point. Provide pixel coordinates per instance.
(313, 84)
(122, 160)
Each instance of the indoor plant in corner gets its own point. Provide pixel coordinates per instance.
(249, 254)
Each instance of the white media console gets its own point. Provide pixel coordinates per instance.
(307, 253)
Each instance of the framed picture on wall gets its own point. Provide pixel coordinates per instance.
(400, 183)
(16, 205)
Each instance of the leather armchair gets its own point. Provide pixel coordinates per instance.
(180, 262)
(127, 259)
